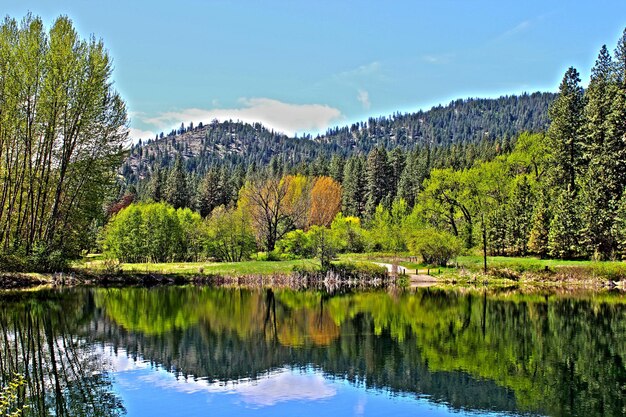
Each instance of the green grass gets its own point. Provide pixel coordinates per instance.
(473, 263)
(400, 258)
(530, 263)
(205, 268)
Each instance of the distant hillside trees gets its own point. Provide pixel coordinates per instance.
(62, 128)
(465, 127)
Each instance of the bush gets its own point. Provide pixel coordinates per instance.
(230, 237)
(295, 244)
(359, 270)
(12, 263)
(435, 247)
(42, 259)
(153, 232)
(349, 234)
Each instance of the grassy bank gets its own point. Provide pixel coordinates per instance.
(502, 269)
(95, 265)
(465, 270)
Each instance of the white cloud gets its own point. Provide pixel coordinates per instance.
(288, 118)
(135, 134)
(364, 99)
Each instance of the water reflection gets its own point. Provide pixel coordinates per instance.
(267, 350)
(65, 375)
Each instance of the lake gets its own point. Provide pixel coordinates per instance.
(199, 351)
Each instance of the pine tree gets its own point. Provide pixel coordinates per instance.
(378, 180)
(155, 186)
(604, 148)
(564, 133)
(353, 197)
(210, 193)
(176, 191)
(397, 163)
(519, 217)
(540, 229)
(336, 167)
(415, 171)
(563, 238)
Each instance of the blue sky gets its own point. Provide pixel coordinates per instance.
(304, 66)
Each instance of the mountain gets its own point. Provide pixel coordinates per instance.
(462, 122)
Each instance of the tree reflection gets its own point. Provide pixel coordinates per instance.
(65, 375)
(555, 355)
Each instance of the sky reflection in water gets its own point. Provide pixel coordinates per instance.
(149, 390)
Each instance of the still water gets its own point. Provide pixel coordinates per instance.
(202, 351)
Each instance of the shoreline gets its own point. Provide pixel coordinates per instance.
(308, 280)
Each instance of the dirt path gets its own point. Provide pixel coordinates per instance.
(417, 280)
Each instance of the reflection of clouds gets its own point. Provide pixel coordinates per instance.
(275, 387)
(286, 386)
(120, 361)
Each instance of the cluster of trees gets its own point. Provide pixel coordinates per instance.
(460, 123)
(560, 194)
(154, 231)
(267, 209)
(62, 127)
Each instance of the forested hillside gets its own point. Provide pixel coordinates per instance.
(461, 123)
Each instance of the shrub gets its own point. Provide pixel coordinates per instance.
(12, 263)
(153, 232)
(349, 233)
(230, 237)
(359, 270)
(435, 247)
(296, 244)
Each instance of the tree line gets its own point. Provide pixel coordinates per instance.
(62, 129)
(461, 122)
(556, 194)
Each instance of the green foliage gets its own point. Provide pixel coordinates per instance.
(351, 237)
(9, 405)
(435, 247)
(154, 232)
(63, 128)
(324, 244)
(563, 238)
(176, 187)
(296, 243)
(540, 229)
(358, 270)
(230, 237)
(388, 227)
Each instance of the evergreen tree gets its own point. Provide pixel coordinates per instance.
(210, 193)
(397, 163)
(415, 172)
(563, 238)
(378, 180)
(353, 197)
(176, 191)
(519, 217)
(604, 148)
(564, 133)
(540, 229)
(155, 186)
(336, 167)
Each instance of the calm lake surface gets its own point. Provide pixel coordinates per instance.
(201, 351)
